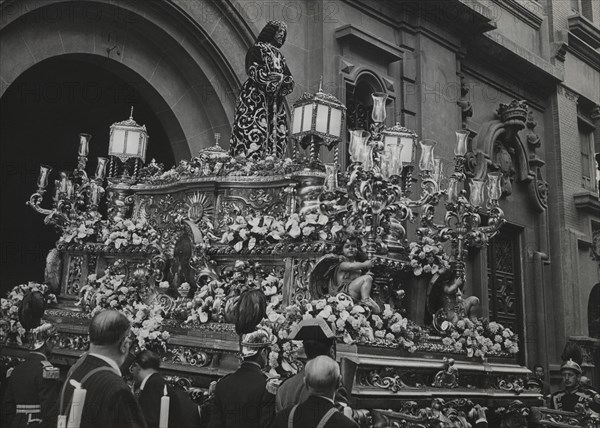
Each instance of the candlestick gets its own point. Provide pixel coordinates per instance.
(77, 405)
(164, 410)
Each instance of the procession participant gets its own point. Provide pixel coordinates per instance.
(183, 412)
(242, 399)
(574, 393)
(322, 378)
(317, 339)
(108, 402)
(30, 399)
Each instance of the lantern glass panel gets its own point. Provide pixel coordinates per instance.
(117, 145)
(133, 143)
(335, 122)
(322, 118)
(307, 118)
(297, 123)
(407, 149)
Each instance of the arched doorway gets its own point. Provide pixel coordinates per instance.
(76, 66)
(42, 113)
(187, 67)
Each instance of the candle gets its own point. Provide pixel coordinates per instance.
(69, 188)
(84, 141)
(101, 168)
(164, 410)
(378, 113)
(462, 138)
(477, 195)
(43, 178)
(63, 182)
(76, 405)
(426, 161)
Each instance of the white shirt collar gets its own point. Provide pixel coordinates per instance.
(110, 362)
(144, 381)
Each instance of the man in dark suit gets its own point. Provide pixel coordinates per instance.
(109, 402)
(241, 399)
(32, 387)
(317, 339)
(183, 412)
(322, 378)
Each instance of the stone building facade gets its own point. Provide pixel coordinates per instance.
(523, 76)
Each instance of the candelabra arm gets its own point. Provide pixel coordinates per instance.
(35, 201)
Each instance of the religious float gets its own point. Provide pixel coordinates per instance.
(175, 248)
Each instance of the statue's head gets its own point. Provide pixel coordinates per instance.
(275, 33)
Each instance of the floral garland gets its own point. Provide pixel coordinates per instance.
(480, 338)
(427, 255)
(10, 326)
(207, 166)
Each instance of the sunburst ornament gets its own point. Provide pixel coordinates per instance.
(199, 207)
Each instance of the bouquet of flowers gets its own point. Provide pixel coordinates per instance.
(427, 255)
(10, 326)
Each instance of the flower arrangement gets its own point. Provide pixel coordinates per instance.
(10, 326)
(248, 232)
(113, 291)
(427, 255)
(353, 323)
(480, 338)
(81, 228)
(124, 233)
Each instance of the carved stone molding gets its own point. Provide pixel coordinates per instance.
(568, 93)
(498, 146)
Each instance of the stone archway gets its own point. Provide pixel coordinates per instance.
(186, 66)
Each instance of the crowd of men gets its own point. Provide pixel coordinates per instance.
(95, 395)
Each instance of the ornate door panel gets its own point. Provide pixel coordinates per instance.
(504, 282)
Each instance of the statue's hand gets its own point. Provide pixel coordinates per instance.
(275, 77)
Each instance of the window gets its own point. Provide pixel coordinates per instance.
(586, 141)
(583, 7)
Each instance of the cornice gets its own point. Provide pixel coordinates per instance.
(528, 11)
(587, 201)
(355, 34)
(584, 51)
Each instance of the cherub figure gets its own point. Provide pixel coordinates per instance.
(344, 273)
(445, 298)
(448, 377)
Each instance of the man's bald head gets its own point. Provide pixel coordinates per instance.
(322, 375)
(108, 328)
